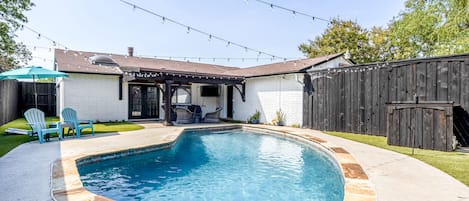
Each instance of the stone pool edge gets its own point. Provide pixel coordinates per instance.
(66, 183)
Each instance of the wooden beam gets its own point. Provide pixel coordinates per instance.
(183, 78)
(174, 89)
(159, 87)
(242, 91)
(167, 103)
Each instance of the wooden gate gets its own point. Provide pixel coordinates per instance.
(426, 125)
(46, 97)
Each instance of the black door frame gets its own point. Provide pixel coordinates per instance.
(144, 101)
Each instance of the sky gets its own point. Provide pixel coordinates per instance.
(111, 26)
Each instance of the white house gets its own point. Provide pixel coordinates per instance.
(110, 87)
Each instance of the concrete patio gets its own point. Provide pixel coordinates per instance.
(25, 172)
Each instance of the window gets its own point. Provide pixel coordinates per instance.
(182, 95)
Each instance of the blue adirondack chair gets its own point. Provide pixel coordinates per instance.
(37, 121)
(70, 117)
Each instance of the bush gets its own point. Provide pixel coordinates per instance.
(280, 118)
(254, 119)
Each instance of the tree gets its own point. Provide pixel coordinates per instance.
(425, 28)
(378, 40)
(11, 17)
(342, 36)
(429, 28)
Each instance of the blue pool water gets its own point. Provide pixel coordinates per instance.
(214, 165)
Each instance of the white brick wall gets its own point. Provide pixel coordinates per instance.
(269, 94)
(94, 97)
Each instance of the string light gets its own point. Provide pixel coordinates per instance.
(185, 58)
(42, 36)
(209, 35)
(356, 69)
(294, 12)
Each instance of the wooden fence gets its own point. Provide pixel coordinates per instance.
(46, 97)
(8, 100)
(352, 99)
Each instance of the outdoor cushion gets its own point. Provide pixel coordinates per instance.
(213, 117)
(184, 116)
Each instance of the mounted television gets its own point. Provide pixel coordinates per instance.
(209, 90)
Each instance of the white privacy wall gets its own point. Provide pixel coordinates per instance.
(94, 97)
(269, 94)
(208, 104)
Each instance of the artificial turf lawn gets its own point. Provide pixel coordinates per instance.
(9, 142)
(455, 164)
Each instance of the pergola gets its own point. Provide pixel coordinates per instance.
(168, 78)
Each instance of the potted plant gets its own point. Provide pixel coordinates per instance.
(279, 119)
(254, 119)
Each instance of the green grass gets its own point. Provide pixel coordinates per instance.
(9, 142)
(455, 164)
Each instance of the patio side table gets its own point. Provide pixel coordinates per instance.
(69, 126)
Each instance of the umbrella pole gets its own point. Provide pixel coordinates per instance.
(35, 91)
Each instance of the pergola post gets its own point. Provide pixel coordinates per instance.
(167, 103)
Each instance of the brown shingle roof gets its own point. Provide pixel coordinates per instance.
(78, 61)
(283, 67)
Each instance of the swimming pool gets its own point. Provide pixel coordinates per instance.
(219, 165)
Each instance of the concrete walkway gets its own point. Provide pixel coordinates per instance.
(399, 177)
(25, 171)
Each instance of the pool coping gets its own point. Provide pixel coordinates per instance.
(66, 183)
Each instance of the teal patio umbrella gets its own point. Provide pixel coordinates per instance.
(31, 72)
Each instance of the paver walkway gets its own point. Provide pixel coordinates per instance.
(25, 171)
